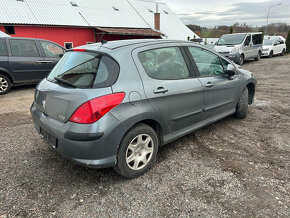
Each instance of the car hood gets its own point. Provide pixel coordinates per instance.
(224, 48)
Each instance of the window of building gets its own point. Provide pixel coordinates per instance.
(23, 48)
(9, 30)
(3, 48)
(208, 63)
(51, 50)
(164, 63)
(68, 45)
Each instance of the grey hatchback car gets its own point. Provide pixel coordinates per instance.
(114, 104)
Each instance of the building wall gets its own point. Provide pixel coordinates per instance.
(60, 35)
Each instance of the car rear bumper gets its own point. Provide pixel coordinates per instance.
(92, 145)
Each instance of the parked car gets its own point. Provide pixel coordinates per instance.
(26, 61)
(240, 46)
(113, 105)
(274, 47)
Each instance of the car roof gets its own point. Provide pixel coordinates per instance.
(253, 33)
(30, 39)
(112, 45)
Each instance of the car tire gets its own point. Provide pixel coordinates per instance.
(242, 106)
(241, 60)
(137, 152)
(271, 54)
(258, 57)
(5, 84)
(283, 52)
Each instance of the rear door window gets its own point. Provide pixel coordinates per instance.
(164, 64)
(3, 48)
(23, 48)
(85, 70)
(51, 50)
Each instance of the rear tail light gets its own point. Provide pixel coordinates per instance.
(95, 109)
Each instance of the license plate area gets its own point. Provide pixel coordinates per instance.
(51, 140)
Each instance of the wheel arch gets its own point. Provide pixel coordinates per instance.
(154, 124)
(6, 73)
(251, 89)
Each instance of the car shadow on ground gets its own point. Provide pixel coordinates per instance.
(22, 88)
(79, 173)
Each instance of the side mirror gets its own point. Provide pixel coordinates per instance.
(247, 43)
(231, 71)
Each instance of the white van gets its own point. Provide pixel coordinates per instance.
(240, 46)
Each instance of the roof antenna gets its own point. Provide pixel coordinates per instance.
(100, 38)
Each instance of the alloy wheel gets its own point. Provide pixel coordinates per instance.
(139, 152)
(3, 85)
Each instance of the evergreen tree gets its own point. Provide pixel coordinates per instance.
(231, 30)
(288, 42)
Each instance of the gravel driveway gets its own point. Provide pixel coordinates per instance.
(230, 168)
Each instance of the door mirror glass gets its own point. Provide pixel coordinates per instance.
(230, 71)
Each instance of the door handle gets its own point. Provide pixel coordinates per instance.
(43, 62)
(160, 90)
(209, 85)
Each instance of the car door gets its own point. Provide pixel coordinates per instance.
(52, 54)
(4, 66)
(220, 92)
(248, 47)
(25, 60)
(281, 46)
(170, 85)
(276, 47)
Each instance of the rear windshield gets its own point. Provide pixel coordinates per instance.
(85, 70)
(233, 39)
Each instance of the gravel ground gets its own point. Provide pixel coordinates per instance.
(231, 168)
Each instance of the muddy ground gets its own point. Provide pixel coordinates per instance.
(232, 168)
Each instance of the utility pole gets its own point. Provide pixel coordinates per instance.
(269, 15)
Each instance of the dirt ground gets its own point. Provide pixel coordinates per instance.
(232, 168)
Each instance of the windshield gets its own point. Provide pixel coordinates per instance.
(85, 70)
(268, 42)
(233, 39)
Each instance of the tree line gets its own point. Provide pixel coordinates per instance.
(217, 31)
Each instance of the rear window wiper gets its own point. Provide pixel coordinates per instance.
(65, 82)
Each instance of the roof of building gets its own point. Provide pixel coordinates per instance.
(97, 13)
(170, 24)
(129, 31)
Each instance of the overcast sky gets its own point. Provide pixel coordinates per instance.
(211, 13)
